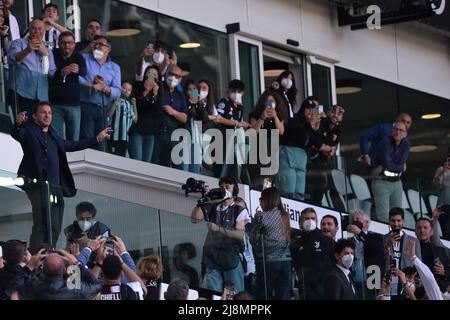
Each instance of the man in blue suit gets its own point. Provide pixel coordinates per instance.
(45, 170)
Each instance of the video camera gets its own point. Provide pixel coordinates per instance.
(215, 195)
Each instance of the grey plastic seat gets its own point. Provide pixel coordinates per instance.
(360, 187)
(410, 220)
(417, 203)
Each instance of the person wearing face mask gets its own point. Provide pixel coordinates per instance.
(270, 113)
(143, 133)
(64, 90)
(329, 135)
(312, 255)
(123, 114)
(85, 226)
(285, 87)
(154, 54)
(231, 111)
(339, 284)
(99, 88)
(223, 247)
(174, 115)
(299, 135)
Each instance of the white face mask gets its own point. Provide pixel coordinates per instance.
(85, 225)
(203, 94)
(172, 82)
(236, 97)
(309, 225)
(286, 83)
(411, 285)
(158, 57)
(347, 261)
(98, 54)
(228, 195)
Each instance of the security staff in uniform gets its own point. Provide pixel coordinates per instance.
(312, 256)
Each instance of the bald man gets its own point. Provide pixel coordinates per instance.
(375, 134)
(174, 114)
(34, 63)
(53, 286)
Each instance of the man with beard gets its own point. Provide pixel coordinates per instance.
(329, 134)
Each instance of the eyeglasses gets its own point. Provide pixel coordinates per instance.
(99, 44)
(398, 129)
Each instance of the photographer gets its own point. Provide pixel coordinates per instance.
(222, 248)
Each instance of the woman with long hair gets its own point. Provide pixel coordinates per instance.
(300, 134)
(143, 132)
(287, 89)
(270, 239)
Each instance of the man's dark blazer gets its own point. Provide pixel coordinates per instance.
(373, 250)
(337, 286)
(33, 165)
(439, 252)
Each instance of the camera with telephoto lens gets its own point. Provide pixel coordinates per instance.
(198, 186)
(193, 186)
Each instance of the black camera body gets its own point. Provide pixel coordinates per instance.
(194, 186)
(213, 196)
(198, 186)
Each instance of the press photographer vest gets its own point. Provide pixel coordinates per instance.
(220, 251)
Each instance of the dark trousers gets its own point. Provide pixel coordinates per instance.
(93, 120)
(164, 146)
(23, 104)
(118, 148)
(40, 203)
(318, 180)
(276, 282)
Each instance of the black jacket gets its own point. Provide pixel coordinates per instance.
(56, 289)
(373, 250)
(74, 231)
(338, 287)
(313, 258)
(34, 162)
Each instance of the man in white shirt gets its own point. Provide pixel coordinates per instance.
(13, 25)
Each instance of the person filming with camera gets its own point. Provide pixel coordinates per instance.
(222, 258)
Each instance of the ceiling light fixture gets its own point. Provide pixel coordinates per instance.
(348, 86)
(123, 28)
(423, 148)
(190, 45)
(273, 69)
(431, 116)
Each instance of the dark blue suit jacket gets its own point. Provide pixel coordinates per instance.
(34, 166)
